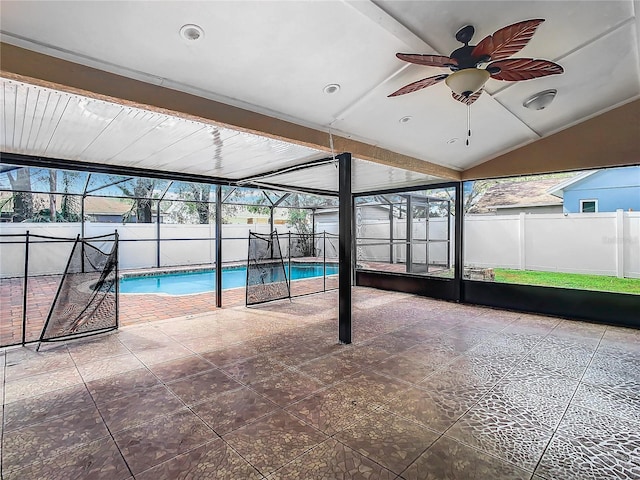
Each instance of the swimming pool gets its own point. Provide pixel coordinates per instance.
(184, 283)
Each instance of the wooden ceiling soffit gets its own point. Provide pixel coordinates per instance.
(24, 65)
(607, 140)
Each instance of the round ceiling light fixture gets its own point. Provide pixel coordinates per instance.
(331, 89)
(191, 32)
(540, 100)
(406, 119)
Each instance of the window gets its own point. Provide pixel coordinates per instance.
(588, 206)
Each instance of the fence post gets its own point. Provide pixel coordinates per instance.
(620, 243)
(24, 292)
(522, 244)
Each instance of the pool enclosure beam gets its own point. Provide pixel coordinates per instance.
(219, 246)
(345, 264)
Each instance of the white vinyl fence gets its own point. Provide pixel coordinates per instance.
(180, 245)
(594, 243)
(591, 243)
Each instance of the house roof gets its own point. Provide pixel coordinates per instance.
(558, 190)
(518, 194)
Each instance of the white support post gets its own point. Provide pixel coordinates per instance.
(620, 243)
(522, 244)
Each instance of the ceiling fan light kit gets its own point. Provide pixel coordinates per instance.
(467, 78)
(468, 81)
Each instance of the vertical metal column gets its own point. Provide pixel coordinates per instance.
(24, 293)
(345, 216)
(409, 253)
(219, 246)
(158, 235)
(391, 233)
(324, 261)
(117, 280)
(458, 267)
(313, 232)
(427, 233)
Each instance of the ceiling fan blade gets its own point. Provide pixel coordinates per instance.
(427, 60)
(467, 100)
(507, 41)
(420, 84)
(515, 69)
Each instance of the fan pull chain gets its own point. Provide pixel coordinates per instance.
(468, 123)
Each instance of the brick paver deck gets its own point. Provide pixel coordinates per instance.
(134, 308)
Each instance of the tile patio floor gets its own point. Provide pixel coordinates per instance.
(428, 390)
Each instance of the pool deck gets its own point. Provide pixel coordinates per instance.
(133, 308)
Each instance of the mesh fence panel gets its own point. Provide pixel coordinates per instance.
(266, 276)
(86, 299)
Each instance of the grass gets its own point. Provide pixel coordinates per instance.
(569, 280)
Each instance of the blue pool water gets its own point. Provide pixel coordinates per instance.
(183, 283)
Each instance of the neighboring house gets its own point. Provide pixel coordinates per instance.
(106, 209)
(519, 196)
(601, 191)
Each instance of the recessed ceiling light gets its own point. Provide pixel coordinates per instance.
(331, 88)
(453, 140)
(540, 100)
(406, 119)
(191, 32)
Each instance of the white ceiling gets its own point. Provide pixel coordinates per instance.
(275, 57)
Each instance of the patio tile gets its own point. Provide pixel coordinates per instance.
(622, 403)
(371, 389)
(49, 438)
(212, 461)
(108, 367)
(364, 356)
(404, 368)
(451, 460)
(99, 460)
(231, 410)
(387, 439)
(512, 439)
(163, 353)
(598, 446)
(462, 377)
(330, 410)
(254, 370)
(287, 387)
(273, 441)
(231, 354)
(520, 404)
(152, 443)
(332, 460)
(141, 406)
(329, 369)
(24, 362)
(179, 368)
(40, 408)
(127, 383)
(35, 385)
(203, 385)
(435, 410)
(91, 349)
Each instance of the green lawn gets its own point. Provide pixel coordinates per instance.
(569, 280)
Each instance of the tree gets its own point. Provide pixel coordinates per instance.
(22, 196)
(141, 195)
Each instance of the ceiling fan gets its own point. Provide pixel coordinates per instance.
(468, 78)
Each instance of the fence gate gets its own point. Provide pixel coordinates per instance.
(87, 298)
(266, 275)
